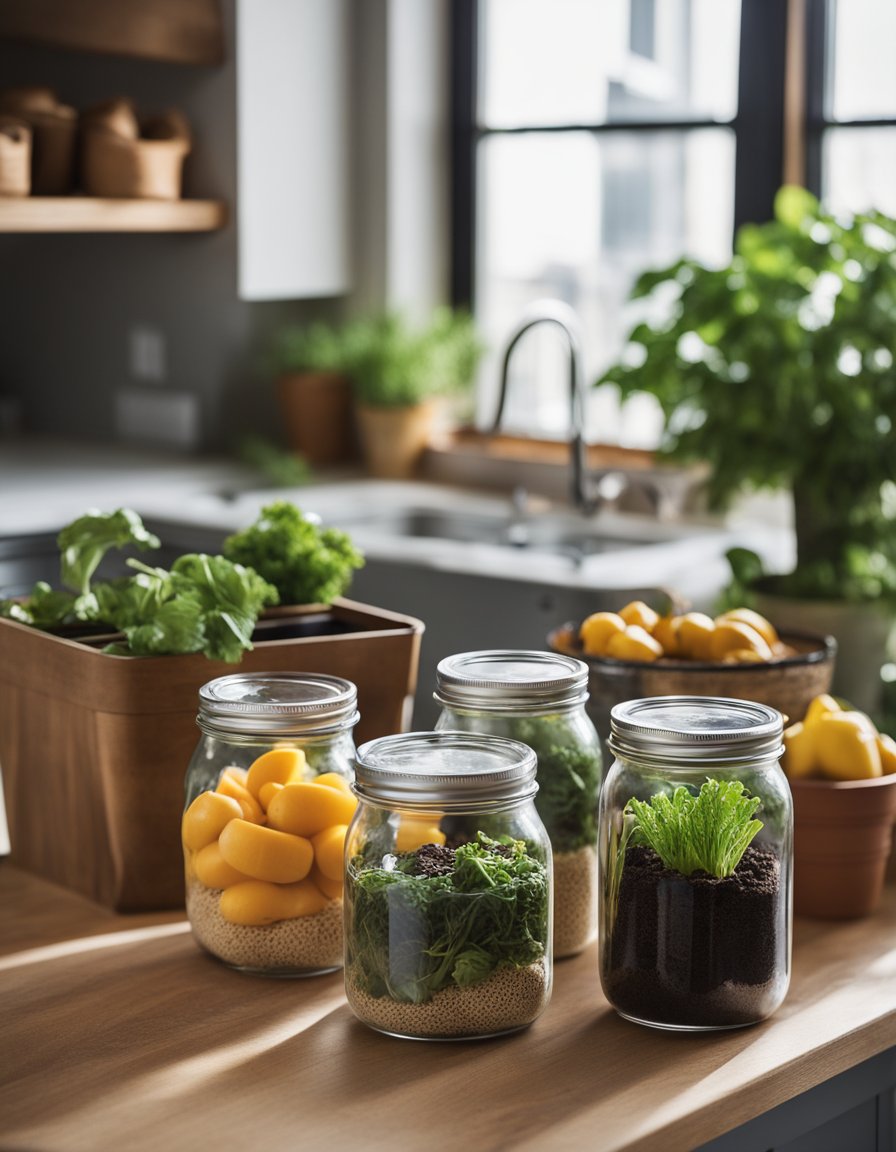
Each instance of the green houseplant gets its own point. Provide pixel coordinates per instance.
(399, 372)
(778, 369)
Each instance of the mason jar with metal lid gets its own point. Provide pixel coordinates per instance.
(447, 888)
(539, 698)
(268, 801)
(696, 830)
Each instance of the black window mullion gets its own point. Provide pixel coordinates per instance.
(760, 110)
(464, 83)
(816, 65)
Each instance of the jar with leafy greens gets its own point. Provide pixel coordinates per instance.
(268, 802)
(447, 888)
(539, 699)
(696, 845)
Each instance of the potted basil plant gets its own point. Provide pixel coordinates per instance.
(778, 370)
(400, 372)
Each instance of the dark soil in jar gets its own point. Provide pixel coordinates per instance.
(696, 951)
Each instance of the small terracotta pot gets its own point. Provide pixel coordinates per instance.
(317, 416)
(54, 134)
(842, 834)
(393, 439)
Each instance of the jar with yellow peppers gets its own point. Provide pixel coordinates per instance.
(268, 802)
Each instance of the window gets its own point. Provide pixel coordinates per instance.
(851, 153)
(594, 140)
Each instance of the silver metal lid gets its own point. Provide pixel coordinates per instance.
(506, 680)
(278, 704)
(456, 771)
(677, 729)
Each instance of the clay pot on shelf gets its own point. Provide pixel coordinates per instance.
(15, 157)
(842, 834)
(317, 416)
(393, 440)
(123, 157)
(54, 134)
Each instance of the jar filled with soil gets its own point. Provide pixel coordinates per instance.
(448, 888)
(539, 699)
(696, 831)
(268, 804)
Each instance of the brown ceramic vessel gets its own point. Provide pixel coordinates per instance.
(842, 835)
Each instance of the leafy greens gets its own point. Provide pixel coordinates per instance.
(708, 832)
(414, 934)
(307, 564)
(203, 604)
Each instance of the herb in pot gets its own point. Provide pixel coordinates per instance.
(307, 564)
(440, 917)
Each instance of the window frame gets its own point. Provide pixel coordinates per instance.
(758, 127)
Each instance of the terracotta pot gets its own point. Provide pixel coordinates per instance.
(842, 834)
(393, 440)
(317, 416)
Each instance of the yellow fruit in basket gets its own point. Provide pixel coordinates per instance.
(886, 745)
(206, 818)
(755, 620)
(596, 631)
(734, 636)
(743, 656)
(665, 632)
(637, 612)
(280, 765)
(846, 746)
(799, 751)
(634, 644)
(820, 706)
(695, 631)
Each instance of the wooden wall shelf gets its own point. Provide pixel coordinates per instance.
(93, 214)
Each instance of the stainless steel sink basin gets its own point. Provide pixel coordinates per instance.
(558, 535)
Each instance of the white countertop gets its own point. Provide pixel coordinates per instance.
(45, 484)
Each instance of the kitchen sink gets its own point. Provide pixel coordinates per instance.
(560, 535)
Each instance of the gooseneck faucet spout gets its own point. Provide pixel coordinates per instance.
(558, 313)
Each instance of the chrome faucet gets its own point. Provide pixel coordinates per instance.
(610, 485)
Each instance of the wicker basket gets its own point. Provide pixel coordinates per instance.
(54, 131)
(124, 158)
(15, 157)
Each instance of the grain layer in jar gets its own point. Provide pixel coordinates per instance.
(539, 699)
(268, 804)
(448, 888)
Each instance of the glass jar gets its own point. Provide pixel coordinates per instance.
(268, 801)
(539, 699)
(696, 833)
(447, 888)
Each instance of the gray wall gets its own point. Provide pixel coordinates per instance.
(67, 302)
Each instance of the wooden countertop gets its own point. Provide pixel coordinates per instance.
(119, 1033)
